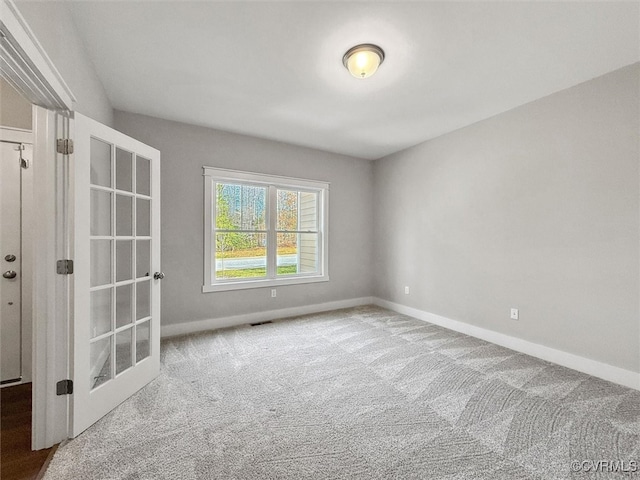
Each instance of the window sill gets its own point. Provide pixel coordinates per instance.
(280, 282)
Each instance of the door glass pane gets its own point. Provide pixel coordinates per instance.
(241, 255)
(100, 312)
(100, 163)
(287, 260)
(143, 176)
(100, 361)
(124, 216)
(124, 300)
(143, 300)
(124, 259)
(124, 170)
(143, 335)
(143, 218)
(143, 258)
(100, 213)
(100, 253)
(124, 342)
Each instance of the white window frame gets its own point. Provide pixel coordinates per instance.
(214, 175)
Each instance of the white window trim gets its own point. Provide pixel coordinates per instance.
(211, 176)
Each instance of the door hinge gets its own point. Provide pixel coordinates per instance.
(65, 267)
(65, 146)
(64, 387)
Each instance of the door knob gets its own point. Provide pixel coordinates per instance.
(158, 275)
(9, 274)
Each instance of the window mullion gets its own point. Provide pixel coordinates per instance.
(272, 236)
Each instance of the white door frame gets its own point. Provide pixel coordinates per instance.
(27, 67)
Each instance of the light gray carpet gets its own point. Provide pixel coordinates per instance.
(360, 393)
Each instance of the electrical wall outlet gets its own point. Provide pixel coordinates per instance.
(273, 293)
(515, 314)
(406, 290)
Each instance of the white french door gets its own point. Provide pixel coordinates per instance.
(116, 279)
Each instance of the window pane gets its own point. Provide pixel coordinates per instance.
(100, 163)
(287, 216)
(297, 253)
(124, 296)
(287, 253)
(143, 217)
(308, 211)
(124, 342)
(100, 362)
(143, 335)
(143, 176)
(124, 216)
(143, 258)
(123, 260)
(240, 207)
(124, 175)
(100, 213)
(100, 312)
(241, 255)
(100, 264)
(143, 299)
(308, 253)
(297, 210)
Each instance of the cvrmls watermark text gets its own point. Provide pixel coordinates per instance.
(606, 466)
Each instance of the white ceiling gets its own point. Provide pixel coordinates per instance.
(274, 69)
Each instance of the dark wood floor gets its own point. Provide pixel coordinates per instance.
(17, 461)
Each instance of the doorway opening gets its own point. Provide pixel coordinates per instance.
(16, 287)
(27, 68)
(16, 155)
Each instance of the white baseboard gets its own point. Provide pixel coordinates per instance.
(223, 322)
(613, 374)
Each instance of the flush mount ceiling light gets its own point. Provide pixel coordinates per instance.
(363, 60)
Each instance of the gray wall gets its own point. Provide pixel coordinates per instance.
(53, 27)
(536, 208)
(15, 111)
(185, 149)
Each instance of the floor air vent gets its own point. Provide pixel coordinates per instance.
(260, 323)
